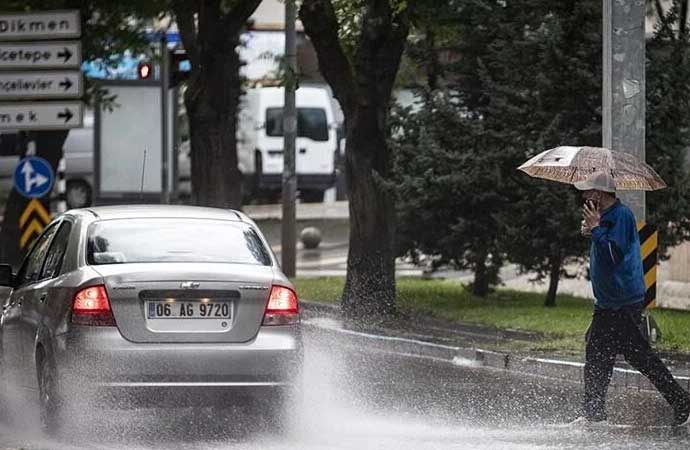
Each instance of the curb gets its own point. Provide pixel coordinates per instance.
(544, 367)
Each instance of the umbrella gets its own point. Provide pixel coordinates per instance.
(572, 164)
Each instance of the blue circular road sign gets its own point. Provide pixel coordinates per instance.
(33, 177)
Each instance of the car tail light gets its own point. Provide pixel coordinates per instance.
(283, 307)
(91, 306)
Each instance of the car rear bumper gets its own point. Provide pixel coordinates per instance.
(101, 360)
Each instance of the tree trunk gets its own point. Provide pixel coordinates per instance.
(555, 261)
(433, 68)
(370, 283)
(212, 99)
(363, 83)
(480, 286)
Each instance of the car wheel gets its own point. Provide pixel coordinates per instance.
(49, 403)
(78, 194)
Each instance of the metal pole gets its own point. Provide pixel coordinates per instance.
(165, 82)
(61, 187)
(623, 112)
(288, 229)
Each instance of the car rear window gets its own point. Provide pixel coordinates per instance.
(125, 241)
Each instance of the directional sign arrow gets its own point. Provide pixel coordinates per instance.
(66, 84)
(40, 55)
(66, 114)
(57, 115)
(40, 84)
(29, 180)
(65, 54)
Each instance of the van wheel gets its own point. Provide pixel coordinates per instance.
(49, 402)
(312, 196)
(78, 194)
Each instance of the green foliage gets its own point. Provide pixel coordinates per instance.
(349, 13)
(450, 183)
(542, 88)
(530, 79)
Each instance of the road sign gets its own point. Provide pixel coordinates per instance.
(40, 25)
(33, 220)
(41, 116)
(40, 55)
(33, 177)
(28, 85)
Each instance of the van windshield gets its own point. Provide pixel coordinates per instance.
(311, 123)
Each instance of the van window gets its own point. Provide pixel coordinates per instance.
(311, 123)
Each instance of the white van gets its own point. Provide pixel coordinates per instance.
(260, 140)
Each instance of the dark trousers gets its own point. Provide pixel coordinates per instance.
(619, 331)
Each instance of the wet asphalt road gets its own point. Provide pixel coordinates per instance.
(359, 398)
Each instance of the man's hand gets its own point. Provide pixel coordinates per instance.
(591, 216)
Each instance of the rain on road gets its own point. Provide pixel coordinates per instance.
(360, 397)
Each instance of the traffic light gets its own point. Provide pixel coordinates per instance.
(145, 71)
(180, 66)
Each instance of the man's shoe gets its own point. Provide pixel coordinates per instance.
(681, 414)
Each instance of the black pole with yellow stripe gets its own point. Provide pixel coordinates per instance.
(649, 243)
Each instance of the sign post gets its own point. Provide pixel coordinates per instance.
(40, 90)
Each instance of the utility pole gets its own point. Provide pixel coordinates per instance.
(289, 226)
(623, 112)
(165, 83)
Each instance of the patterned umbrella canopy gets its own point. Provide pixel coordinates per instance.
(572, 164)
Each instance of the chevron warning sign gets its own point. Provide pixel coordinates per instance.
(649, 242)
(32, 221)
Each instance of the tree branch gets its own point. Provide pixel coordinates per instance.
(384, 35)
(238, 16)
(321, 25)
(185, 12)
(684, 19)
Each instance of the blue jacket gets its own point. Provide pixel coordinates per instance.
(615, 262)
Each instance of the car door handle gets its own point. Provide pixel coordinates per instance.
(42, 298)
(19, 302)
(302, 151)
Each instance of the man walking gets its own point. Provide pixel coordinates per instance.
(619, 290)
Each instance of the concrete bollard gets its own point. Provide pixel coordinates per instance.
(310, 237)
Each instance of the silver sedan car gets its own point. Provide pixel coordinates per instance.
(164, 303)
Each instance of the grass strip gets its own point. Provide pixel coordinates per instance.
(564, 326)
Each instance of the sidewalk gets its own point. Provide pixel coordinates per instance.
(478, 345)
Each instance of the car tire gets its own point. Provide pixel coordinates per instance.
(49, 400)
(78, 194)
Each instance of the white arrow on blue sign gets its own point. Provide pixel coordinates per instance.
(33, 177)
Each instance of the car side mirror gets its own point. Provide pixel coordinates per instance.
(6, 276)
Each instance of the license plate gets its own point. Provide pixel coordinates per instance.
(188, 309)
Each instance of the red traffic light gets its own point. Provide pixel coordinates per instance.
(145, 71)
